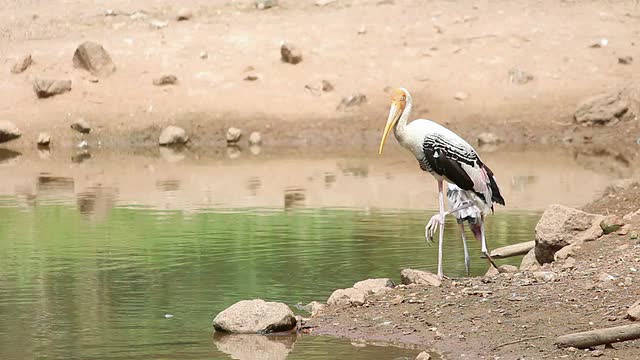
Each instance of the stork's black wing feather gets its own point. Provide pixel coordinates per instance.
(438, 160)
(495, 190)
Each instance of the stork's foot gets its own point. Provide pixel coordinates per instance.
(431, 228)
(486, 253)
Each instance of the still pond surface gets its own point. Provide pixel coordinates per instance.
(137, 267)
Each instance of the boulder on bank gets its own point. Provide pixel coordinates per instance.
(560, 226)
(601, 109)
(347, 297)
(255, 316)
(8, 131)
(94, 58)
(173, 135)
(411, 276)
(254, 347)
(45, 88)
(373, 286)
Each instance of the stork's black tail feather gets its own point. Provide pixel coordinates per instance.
(495, 190)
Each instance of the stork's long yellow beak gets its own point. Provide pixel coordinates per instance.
(394, 115)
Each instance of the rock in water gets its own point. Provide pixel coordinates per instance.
(601, 109)
(411, 276)
(255, 138)
(93, 58)
(266, 4)
(173, 135)
(8, 131)
(45, 88)
(44, 139)
(81, 126)
(255, 316)
(167, 79)
(347, 297)
(290, 54)
(233, 135)
(560, 226)
(22, 64)
(372, 286)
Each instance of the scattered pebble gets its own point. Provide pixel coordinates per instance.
(517, 76)
(204, 55)
(184, 14)
(290, 54)
(173, 135)
(81, 126)
(625, 60)
(597, 353)
(233, 135)
(487, 138)
(83, 144)
(600, 44)
(167, 79)
(158, 24)
(44, 139)
(255, 138)
(266, 4)
(461, 96)
(45, 88)
(8, 131)
(22, 64)
(251, 77)
(351, 101)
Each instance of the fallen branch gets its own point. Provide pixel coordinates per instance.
(600, 336)
(513, 250)
(519, 341)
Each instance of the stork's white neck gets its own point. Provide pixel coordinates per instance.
(400, 130)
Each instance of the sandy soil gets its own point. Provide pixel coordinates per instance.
(436, 49)
(477, 318)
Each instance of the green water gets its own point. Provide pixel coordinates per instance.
(73, 287)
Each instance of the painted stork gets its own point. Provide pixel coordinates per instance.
(465, 211)
(446, 156)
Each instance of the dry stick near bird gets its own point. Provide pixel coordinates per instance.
(447, 157)
(600, 336)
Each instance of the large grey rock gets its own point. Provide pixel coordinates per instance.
(22, 64)
(561, 226)
(45, 88)
(173, 135)
(255, 316)
(8, 131)
(601, 109)
(255, 347)
(94, 58)
(290, 54)
(347, 297)
(372, 286)
(411, 276)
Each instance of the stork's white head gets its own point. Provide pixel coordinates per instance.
(399, 99)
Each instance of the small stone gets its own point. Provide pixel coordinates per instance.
(529, 261)
(507, 269)
(633, 235)
(22, 64)
(8, 131)
(411, 276)
(83, 144)
(81, 126)
(251, 77)
(461, 96)
(44, 139)
(544, 276)
(173, 135)
(634, 311)
(625, 60)
(184, 14)
(324, 2)
(519, 77)
(167, 79)
(604, 277)
(266, 4)
(204, 55)
(487, 138)
(255, 138)
(611, 223)
(290, 54)
(351, 101)
(45, 88)
(423, 356)
(362, 30)
(492, 272)
(597, 353)
(569, 264)
(233, 135)
(158, 24)
(316, 307)
(94, 58)
(326, 86)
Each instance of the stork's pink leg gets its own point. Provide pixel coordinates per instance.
(441, 234)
